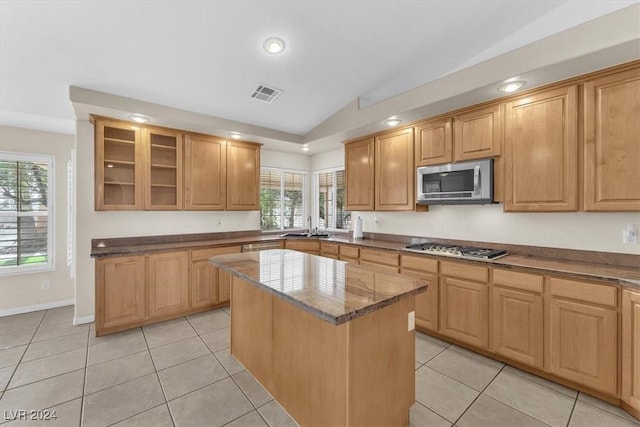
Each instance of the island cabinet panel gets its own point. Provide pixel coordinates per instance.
(168, 283)
(541, 152)
(243, 176)
(464, 303)
(434, 142)
(582, 338)
(309, 246)
(381, 259)
(120, 292)
(205, 173)
(517, 314)
(119, 171)
(359, 175)
(612, 142)
(163, 171)
(426, 302)
(478, 133)
(395, 174)
(631, 350)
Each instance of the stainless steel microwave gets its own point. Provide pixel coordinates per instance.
(456, 183)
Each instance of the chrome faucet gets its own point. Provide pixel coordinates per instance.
(309, 221)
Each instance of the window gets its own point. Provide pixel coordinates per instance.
(330, 198)
(26, 212)
(282, 198)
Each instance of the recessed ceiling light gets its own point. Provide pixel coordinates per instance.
(305, 147)
(235, 135)
(511, 86)
(274, 45)
(393, 121)
(139, 118)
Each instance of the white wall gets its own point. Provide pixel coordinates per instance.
(488, 223)
(23, 292)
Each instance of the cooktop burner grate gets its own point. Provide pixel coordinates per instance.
(456, 251)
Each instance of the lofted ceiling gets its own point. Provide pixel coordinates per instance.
(206, 57)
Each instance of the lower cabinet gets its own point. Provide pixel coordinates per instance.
(168, 283)
(582, 337)
(381, 259)
(426, 302)
(120, 292)
(517, 312)
(329, 250)
(209, 285)
(464, 303)
(631, 349)
(349, 253)
(309, 246)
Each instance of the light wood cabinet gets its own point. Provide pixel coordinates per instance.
(395, 174)
(631, 349)
(309, 246)
(163, 169)
(517, 316)
(434, 142)
(120, 292)
(349, 253)
(581, 337)
(119, 158)
(464, 303)
(205, 173)
(359, 175)
(168, 283)
(381, 259)
(477, 133)
(612, 142)
(209, 285)
(541, 152)
(329, 250)
(243, 176)
(426, 302)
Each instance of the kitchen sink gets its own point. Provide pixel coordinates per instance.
(307, 235)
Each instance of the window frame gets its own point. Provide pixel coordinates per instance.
(316, 198)
(305, 208)
(50, 264)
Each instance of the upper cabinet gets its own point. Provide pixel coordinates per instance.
(141, 168)
(205, 173)
(118, 166)
(434, 142)
(243, 176)
(477, 133)
(612, 142)
(394, 179)
(359, 175)
(541, 152)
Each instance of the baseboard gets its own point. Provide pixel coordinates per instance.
(82, 320)
(37, 307)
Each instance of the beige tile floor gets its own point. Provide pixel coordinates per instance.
(180, 373)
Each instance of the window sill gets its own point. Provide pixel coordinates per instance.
(16, 271)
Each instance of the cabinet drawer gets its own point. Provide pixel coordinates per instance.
(329, 248)
(375, 265)
(523, 281)
(204, 254)
(584, 291)
(376, 257)
(349, 251)
(417, 263)
(464, 271)
(303, 245)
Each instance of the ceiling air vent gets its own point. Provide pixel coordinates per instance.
(265, 94)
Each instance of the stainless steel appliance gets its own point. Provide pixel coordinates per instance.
(469, 252)
(262, 246)
(456, 183)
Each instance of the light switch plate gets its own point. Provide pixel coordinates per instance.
(411, 321)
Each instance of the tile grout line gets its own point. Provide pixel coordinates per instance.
(6, 388)
(575, 402)
(479, 394)
(84, 380)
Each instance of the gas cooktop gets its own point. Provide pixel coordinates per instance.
(456, 251)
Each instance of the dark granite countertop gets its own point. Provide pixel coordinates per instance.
(332, 290)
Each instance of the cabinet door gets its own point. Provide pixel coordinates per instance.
(464, 311)
(205, 174)
(118, 166)
(243, 176)
(581, 342)
(359, 175)
(394, 181)
(168, 283)
(517, 325)
(434, 142)
(541, 152)
(163, 184)
(120, 292)
(477, 134)
(308, 246)
(631, 348)
(612, 142)
(204, 284)
(329, 250)
(224, 286)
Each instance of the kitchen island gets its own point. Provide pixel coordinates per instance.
(333, 342)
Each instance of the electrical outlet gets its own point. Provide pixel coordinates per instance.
(630, 234)
(45, 284)
(219, 223)
(411, 321)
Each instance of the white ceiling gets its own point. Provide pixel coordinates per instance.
(206, 56)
